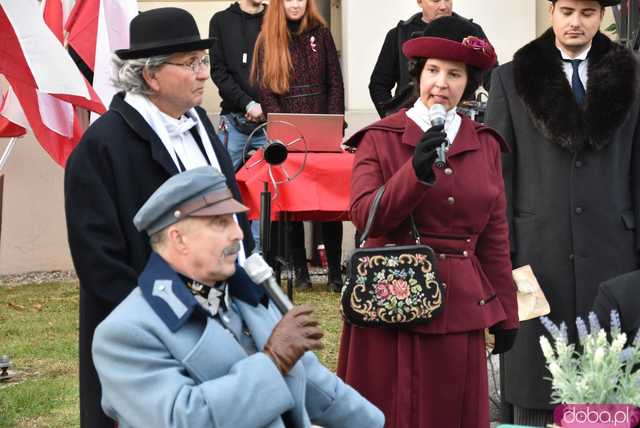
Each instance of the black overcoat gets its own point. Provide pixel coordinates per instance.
(573, 185)
(621, 294)
(117, 165)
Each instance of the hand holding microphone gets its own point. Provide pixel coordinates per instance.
(432, 147)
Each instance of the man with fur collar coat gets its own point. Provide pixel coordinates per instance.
(572, 178)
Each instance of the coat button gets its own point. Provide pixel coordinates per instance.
(448, 171)
(442, 256)
(465, 253)
(579, 164)
(451, 200)
(468, 240)
(571, 257)
(579, 210)
(481, 302)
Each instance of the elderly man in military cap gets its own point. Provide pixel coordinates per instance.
(568, 105)
(197, 344)
(153, 129)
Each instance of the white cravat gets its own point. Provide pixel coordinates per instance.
(582, 68)
(419, 113)
(176, 138)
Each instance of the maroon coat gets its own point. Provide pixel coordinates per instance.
(463, 217)
(316, 80)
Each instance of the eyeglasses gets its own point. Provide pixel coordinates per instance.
(194, 65)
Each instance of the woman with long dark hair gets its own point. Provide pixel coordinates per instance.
(297, 70)
(435, 374)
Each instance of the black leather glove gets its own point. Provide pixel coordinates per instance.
(296, 333)
(505, 338)
(425, 153)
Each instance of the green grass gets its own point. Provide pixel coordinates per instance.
(39, 331)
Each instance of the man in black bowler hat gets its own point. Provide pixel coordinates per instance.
(153, 130)
(568, 106)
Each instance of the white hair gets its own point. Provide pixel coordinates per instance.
(128, 73)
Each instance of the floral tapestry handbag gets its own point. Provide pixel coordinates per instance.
(391, 286)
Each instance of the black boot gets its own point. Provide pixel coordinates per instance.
(335, 280)
(332, 236)
(302, 281)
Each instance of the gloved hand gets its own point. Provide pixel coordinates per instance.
(425, 153)
(505, 338)
(296, 333)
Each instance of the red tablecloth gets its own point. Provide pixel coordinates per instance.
(320, 192)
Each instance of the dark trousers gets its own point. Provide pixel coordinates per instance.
(91, 414)
(331, 238)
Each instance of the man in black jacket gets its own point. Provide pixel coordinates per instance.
(621, 294)
(235, 31)
(392, 68)
(152, 130)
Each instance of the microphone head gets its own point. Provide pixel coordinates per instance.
(438, 114)
(257, 268)
(275, 152)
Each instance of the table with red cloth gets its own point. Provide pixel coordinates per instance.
(319, 193)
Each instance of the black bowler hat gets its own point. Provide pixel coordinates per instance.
(454, 39)
(163, 31)
(603, 3)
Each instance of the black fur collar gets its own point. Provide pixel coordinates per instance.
(541, 83)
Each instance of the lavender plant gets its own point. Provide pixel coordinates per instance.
(602, 372)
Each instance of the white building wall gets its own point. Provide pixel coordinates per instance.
(509, 24)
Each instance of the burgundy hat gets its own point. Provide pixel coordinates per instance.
(454, 39)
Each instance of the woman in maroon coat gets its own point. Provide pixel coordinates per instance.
(435, 374)
(297, 71)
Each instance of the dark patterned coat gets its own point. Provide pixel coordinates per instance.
(573, 185)
(117, 165)
(463, 218)
(316, 84)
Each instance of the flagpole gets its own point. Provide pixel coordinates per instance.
(7, 152)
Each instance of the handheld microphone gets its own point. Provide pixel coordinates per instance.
(261, 273)
(438, 115)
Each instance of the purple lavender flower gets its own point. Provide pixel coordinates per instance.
(593, 322)
(615, 322)
(551, 327)
(582, 329)
(626, 354)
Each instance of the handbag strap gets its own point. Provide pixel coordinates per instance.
(372, 215)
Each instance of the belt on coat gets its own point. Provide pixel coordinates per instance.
(450, 245)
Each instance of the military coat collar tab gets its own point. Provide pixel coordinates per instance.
(170, 298)
(166, 293)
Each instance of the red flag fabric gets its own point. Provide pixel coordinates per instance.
(46, 94)
(53, 16)
(9, 129)
(82, 26)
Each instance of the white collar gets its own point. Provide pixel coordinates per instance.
(582, 55)
(419, 113)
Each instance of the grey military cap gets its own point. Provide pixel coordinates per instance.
(197, 192)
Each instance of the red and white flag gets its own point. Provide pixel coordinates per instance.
(42, 75)
(9, 128)
(96, 29)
